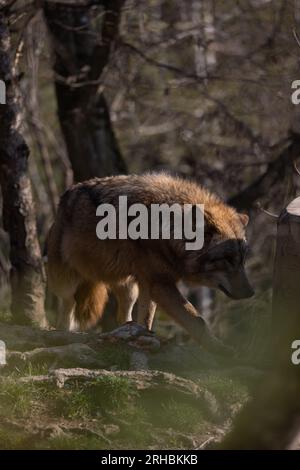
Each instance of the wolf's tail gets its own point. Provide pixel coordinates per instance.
(90, 301)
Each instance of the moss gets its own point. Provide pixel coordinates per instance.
(226, 390)
(182, 416)
(115, 354)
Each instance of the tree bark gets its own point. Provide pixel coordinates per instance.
(272, 419)
(81, 54)
(27, 279)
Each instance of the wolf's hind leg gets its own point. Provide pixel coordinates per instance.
(63, 282)
(146, 307)
(126, 293)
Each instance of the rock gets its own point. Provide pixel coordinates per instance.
(24, 338)
(139, 361)
(71, 355)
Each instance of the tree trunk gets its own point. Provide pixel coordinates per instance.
(27, 279)
(81, 53)
(286, 295)
(272, 419)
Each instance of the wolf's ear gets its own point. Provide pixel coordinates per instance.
(244, 219)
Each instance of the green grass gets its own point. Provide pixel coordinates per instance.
(114, 391)
(226, 390)
(143, 418)
(182, 416)
(11, 439)
(16, 399)
(116, 354)
(75, 400)
(93, 399)
(28, 370)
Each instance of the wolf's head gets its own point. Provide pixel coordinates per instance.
(220, 264)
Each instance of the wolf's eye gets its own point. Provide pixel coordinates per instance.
(215, 265)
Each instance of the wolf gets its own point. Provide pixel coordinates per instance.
(82, 269)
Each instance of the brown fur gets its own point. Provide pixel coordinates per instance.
(82, 268)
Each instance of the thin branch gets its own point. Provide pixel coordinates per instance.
(296, 37)
(259, 206)
(184, 73)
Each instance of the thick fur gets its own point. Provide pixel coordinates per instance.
(82, 268)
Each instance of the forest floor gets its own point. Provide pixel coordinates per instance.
(125, 390)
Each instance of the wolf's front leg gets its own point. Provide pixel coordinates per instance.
(170, 299)
(146, 307)
(126, 293)
(65, 316)
(174, 304)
